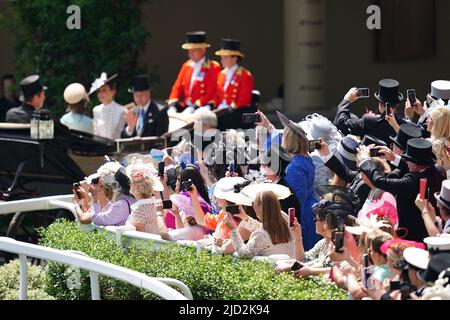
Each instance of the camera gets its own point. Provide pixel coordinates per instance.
(338, 240)
(363, 93)
(315, 145)
(251, 118)
(186, 185)
(167, 204)
(77, 186)
(95, 180)
(232, 209)
(375, 153)
(161, 169)
(296, 266)
(411, 93)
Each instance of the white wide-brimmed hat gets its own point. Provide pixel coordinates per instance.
(225, 189)
(280, 191)
(101, 81)
(437, 244)
(416, 257)
(75, 93)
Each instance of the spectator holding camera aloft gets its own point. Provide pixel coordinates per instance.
(380, 126)
(273, 237)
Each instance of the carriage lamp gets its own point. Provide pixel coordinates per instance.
(42, 125)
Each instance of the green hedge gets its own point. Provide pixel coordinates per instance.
(9, 282)
(207, 276)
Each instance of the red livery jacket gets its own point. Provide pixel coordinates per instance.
(203, 89)
(239, 91)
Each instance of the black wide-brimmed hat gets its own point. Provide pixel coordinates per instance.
(346, 152)
(139, 83)
(230, 47)
(122, 180)
(406, 132)
(389, 92)
(369, 140)
(419, 151)
(291, 124)
(195, 40)
(438, 263)
(30, 86)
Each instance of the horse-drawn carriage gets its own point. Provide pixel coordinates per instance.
(39, 168)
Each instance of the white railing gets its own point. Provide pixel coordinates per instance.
(159, 286)
(44, 203)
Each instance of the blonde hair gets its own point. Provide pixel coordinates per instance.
(294, 143)
(273, 222)
(144, 186)
(441, 122)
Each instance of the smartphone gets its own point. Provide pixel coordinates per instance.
(375, 153)
(366, 270)
(363, 93)
(338, 241)
(167, 204)
(387, 107)
(77, 186)
(411, 96)
(186, 185)
(232, 209)
(423, 188)
(161, 166)
(251, 118)
(394, 285)
(95, 180)
(296, 266)
(314, 145)
(291, 217)
(231, 168)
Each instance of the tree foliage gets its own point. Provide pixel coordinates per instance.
(110, 40)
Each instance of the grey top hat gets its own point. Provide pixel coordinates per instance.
(440, 89)
(443, 197)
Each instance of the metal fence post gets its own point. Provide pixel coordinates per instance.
(23, 277)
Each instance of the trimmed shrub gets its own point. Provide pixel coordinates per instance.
(207, 276)
(9, 282)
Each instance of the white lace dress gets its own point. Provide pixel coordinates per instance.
(260, 244)
(144, 211)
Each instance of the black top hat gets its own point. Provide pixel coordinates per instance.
(30, 86)
(438, 263)
(195, 40)
(139, 83)
(419, 151)
(389, 92)
(230, 47)
(407, 132)
(368, 140)
(122, 179)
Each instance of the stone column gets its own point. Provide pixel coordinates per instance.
(304, 55)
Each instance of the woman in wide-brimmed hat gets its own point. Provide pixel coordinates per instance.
(274, 237)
